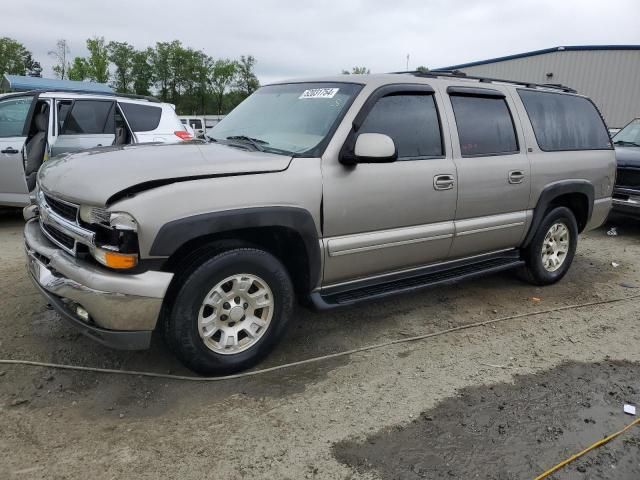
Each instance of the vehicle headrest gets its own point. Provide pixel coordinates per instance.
(42, 122)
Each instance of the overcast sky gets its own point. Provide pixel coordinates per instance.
(294, 38)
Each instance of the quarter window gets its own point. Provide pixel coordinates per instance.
(141, 118)
(87, 117)
(13, 114)
(411, 121)
(485, 126)
(564, 122)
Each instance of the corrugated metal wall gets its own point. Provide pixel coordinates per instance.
(611, 78)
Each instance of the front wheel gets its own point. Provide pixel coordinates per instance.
(553, 247)
(230, 311)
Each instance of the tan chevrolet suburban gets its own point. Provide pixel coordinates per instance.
(335, 191)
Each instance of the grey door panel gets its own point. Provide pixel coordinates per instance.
(493, 193)
(13, 187)
(383, 217)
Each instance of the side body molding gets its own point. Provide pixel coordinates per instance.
(178, 232)
(554, 191)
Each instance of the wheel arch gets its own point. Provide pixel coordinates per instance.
(288, 233)
(577, 195)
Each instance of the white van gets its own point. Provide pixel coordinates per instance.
(37, 125)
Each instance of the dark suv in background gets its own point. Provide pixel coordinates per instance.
(626, 195)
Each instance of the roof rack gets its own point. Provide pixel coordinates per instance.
(88, 92)
(460, 74)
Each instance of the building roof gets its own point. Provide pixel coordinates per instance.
(19, 83)
(533, 53)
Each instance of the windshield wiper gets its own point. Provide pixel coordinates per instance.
(625, 142)
(254, 142)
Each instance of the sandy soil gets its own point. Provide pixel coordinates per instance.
(318, 421)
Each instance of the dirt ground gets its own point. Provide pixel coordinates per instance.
(503, 401)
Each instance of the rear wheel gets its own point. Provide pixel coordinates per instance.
(230, 311)
(553, 247)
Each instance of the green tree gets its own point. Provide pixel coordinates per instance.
(121, 54)
(15, 59)
(61, 56)
(357, 71)
(142, 72)
(78, 70)
(98, 60)
(422, 69)
(223, 74)
(246, 80)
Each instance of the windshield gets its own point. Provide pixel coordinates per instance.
(293, 118)
(629, 135)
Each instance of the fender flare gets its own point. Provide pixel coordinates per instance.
(176, 233)
(550, 193)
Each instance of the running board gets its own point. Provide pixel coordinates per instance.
(344, 295)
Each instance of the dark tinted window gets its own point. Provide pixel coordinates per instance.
(87, 117)
(485, 126)
(63, 111)
(196, 123)
(410, 120)
(564, 122)
(13, 113)
(141, 118)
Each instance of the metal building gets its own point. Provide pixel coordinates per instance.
(608, 74)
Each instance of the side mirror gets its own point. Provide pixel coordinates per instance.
(375, 148)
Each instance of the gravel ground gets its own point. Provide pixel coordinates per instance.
(319, 420)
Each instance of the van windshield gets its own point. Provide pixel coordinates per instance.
(293, 119)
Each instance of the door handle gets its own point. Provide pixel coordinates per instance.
(443, 182)
(9, 150)
(516, 176)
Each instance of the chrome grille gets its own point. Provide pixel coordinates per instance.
(59, 236)
(59, 223)
(64, 209)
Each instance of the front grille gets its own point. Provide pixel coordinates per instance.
(628, 177)
(65, 210)
(62, 238)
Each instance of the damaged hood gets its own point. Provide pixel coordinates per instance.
(95, 176)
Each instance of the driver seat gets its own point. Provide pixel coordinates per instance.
(35, 148)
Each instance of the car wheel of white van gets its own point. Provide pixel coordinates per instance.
(553, 247)
(230, 311)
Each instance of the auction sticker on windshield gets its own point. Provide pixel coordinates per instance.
(319, 93)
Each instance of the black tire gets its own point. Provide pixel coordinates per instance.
(534, 270)
(181, 328)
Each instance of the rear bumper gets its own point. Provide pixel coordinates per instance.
(123, 309)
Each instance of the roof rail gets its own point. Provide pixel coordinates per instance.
(89, 92)
(460, 74)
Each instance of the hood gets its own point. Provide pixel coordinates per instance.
(95, 176)
(628, 156)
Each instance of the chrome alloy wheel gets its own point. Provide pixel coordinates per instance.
(235, 314)
(555, 247)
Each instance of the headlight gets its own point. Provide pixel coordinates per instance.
(102, 216)
(94, 215)
(116, 241)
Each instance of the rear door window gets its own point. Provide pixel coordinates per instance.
(88, 117)
(485, 125)
(141, 118)
(411, 120)
(13, 115)
(564, 122)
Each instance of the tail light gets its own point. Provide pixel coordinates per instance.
(183, 135)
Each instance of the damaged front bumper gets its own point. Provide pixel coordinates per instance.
(627, 201)
(115, 309)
